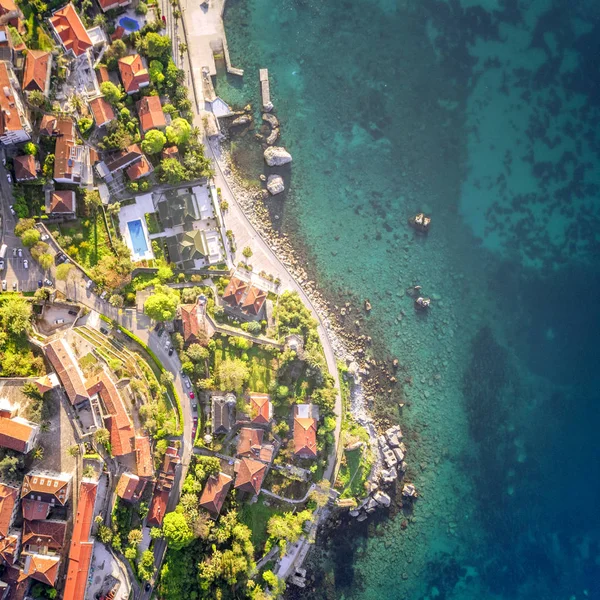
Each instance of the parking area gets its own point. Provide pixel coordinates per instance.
(21, 273)
(56, 316)
(106, 575)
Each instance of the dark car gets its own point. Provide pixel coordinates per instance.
(60, 258)
(73, 312)
(171, 351)
(147, 587)
(40, 283)
(104, 330)
(160, 332)
(157, 327)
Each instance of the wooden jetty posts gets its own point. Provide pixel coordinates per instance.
(263, 75)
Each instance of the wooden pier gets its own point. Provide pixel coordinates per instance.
(263, 75)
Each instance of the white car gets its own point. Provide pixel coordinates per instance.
(12, 210)
(47, 282)
(4, 285)
(19, 252)
(14, 251)
(9, 178)
(26, 264)
(188, 385)
(45, 237)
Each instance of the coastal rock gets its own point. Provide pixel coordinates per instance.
(409, 491)
(362, 518)
(243, 120)
(388, 475)
(275, 184)
(393, 435)
(382, 498)
(354, 513)
(272, 136)
(276, 156)
(371, 505)
(399, 454)
(272, 120)
(389, 458)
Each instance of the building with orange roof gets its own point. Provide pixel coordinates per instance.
(43, 537)
(47, 383)
(143, 457)
(82, 546)
(170, 152)
(48, 125)
(261, 408)
(41, 490)
(70, 31)
(249, 441)
(41, 567)
(14, 126)
(26, 168)
(16, 433)
(193, 324)
(254, 300)
(130, 487)
(115, 415)
(36, 76)
(214, 493)
(65, 364)
(139, 169)
(235, 291)
(305, 431)
(151, 113)
(9, 503)
(158, 507)
(60, 203)
(106, 5)
(250, 475)
(102, 74)
(134, 74)
(11, 12)
(71, 160)
(10, 547)
(102, 110)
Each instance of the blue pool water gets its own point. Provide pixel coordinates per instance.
(129, 24)
(138, 238)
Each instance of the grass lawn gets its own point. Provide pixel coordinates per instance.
(256, 517)
(259, 363)
(95, 245)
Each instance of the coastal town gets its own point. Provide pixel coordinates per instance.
(178, 410)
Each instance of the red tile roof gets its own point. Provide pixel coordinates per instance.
(41, 568)
(261, 409)
(170, 152)
(44, 534)
(80, 551)
(215, 492)
(10, 120)
(143, 457)
(102, 74)
(130, 487)
(34, 509)
(65, 147)
(191, 325)
(62, 201)
(117, 420)
(9, 497)
(70, 30)
(102, 111)
(158, 506)
(305, 437)
(250, 475)
(46, 383)
(7, 6)
(139, 169)
(254, 300)
(25, 168)
(68, 372)
(250, 441)
(110, 4)
(48, 125)
(9, 546)
(133, 73)
(234, 292)
(37, 66)
(118, 33)
(46, 487)
(16, 433)
(150, 113)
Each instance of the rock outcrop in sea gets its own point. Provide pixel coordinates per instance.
(277, 156)
(275, 184)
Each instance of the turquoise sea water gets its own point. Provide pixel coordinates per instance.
(485, 115)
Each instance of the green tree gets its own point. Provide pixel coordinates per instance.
(179, 131)
(85, 124)
(23, 225)
(155, 70)
(105, 535)
(37, 98)
(155, 45)
(164, 273)
(10, 466)
(92, 200)
(32, 391)
(287, 527)
(177, 531)
(146, 565)
(30, 148)
(116, 300)
(48, 167)
(64, 271)
(232, 373)
(74, 450)
(135, 537)
(15, 315)
(30, 237)
(247, 252)
(171, 171)
(102, 436)
(155, 533)
(46, 261)
(197, 353)
(275, 584)
(111, 92)
(162, 305)
(154, 141)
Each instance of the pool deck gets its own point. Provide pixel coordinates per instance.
(137, 212)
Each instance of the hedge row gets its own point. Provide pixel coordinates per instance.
(171, 386)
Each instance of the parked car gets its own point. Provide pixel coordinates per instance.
(104, 330)
(60, 258)
(45, 237)
(188, 384)
(89, 284)
(19, 252)
(168, 344)
(160, 332)
(48, 282)
(103, 295)
(157, 326)
(192, 395)
(40, 283)
(59, 321)
(9, 178)
(195, 421)
(14, 286)
(73, 312)
(194, 406)
(26, 264)
(171, 350)
(4, 285)
(12, 210)
(14, 251)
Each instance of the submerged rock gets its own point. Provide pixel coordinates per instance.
(422, 303)
(272, 136)
(420, 223)
(271, 120)
(275, 184)
(409, 491)
(275, 156)
(243, 120)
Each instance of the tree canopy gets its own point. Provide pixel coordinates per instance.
(111, 92)
(162, 305)
(15, 314)
(232, 374)
(154, 141)
(179, 131)
(171, 171)
(30, 237)
(176, 530)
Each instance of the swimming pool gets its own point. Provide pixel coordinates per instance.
(138, 237)
(129, 24)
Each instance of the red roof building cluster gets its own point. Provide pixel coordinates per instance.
(214, 493)
(102, 110)
(151, 113)
(305, 434)
(250, 475)
(70, 30)
(60, 356)
(244, 296)
(261, 409)
(134, 74)
(36, 76)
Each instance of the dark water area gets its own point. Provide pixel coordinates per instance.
(484, 115)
